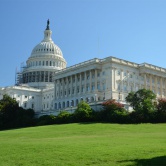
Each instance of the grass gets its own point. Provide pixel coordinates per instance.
(84, 144)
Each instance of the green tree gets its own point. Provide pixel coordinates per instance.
(143, 102)
(113, 111)
(83, 112)
(161, 106)
(12, 116)
(8, 109)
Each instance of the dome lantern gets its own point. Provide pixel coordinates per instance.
(47, 32)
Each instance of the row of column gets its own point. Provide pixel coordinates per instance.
(121, 81)
(37, 76)
(82, 78)
(161, 80)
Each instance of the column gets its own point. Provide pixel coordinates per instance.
(85, 81)
(67, 86)
(55, 93)
(145, 81)
(134, 78)
(161, 86)
(128, 88)
(121, 80)
(80, 82)
(90, 83)
(95, 79)
(71, 87)
(151, 82)
(63, 87)
(156, 87)
(114, 78)
(75, 90)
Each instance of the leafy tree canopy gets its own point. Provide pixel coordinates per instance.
(142, 100)
(161, 105)
(83, 111)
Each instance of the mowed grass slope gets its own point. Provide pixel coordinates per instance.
(84, 144)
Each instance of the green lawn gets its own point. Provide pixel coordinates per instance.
(84, 144)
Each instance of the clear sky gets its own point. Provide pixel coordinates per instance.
(134, 30)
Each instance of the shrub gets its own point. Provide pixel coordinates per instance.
(83, 113)
(46, 120)
(64, 117)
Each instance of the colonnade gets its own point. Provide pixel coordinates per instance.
(153, 82)
(156, 83)
(79, 83)
(38, 76)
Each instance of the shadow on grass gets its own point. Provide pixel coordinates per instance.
(155, 161)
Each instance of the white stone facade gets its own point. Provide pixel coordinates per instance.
(47, 85)
(102, 79)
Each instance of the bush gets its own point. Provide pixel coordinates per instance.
(113, 112)
(64, 117)
(83, 113)
(46, 120)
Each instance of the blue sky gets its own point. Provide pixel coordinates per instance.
(134, 30)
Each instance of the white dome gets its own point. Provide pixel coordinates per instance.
(46, 46)
(46, 58)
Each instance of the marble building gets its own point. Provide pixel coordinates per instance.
(47, 85)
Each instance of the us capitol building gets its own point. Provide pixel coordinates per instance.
(46, 85)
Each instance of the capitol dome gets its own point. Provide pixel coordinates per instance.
(47, 46)
(46, 58)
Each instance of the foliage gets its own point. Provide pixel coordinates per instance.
(142, 101)
(113, 112)
(46, 120)
(161, 106)
(13, 116)
(64, 117)
(83, 112)
(112, 105)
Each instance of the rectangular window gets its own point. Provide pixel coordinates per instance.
(46, 63)
(98, 86)
(82, 89)
(32, 106)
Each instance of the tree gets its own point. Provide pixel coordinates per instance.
(112, 105)
(83, 112)
(12, 116)
(8, 108)
(113, 111)
(142, 101)
(161, 106)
